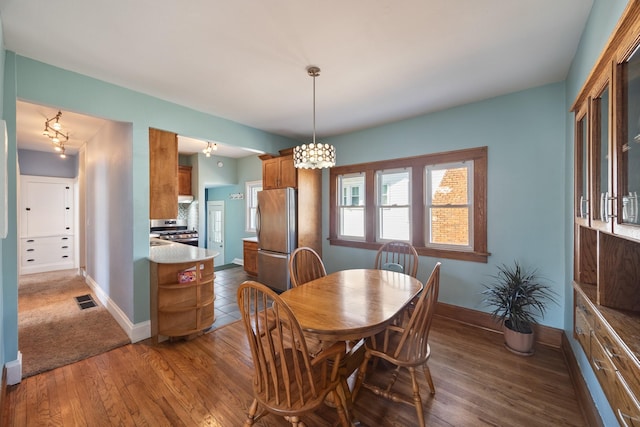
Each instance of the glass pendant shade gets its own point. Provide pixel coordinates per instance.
(314, 156)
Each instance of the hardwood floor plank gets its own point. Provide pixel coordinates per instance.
(207, 382)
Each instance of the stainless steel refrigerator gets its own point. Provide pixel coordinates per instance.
(277, 236)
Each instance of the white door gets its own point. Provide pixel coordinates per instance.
(215, 230)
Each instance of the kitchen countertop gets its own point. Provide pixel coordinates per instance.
(166, 252)
(250, 239)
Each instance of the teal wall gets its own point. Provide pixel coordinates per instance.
(525, 134)
(4, 243)
(10, 243)
(248, 169)
(40, 83)
(602, 21)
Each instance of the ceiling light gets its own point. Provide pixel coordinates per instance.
(62, 154)
(211, 147)
(314, 155)
(52, 130)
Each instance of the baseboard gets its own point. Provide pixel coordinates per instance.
(238, 261)
(544, 334)
(14, 370)
(136, 332)
(587, 405)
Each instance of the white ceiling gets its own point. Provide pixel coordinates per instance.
(246, 60)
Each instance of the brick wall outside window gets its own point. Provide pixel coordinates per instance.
(450, 225)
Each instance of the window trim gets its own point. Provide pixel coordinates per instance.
(249, 186)
(417, 164)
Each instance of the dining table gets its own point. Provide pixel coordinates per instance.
(351, 306)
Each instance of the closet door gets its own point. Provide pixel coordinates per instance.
(47, 207)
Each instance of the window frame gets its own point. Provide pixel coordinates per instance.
(249, 186)
(340, 206)
(429, 203)
(382, 192)
(478, 228)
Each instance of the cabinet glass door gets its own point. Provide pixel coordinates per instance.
(629, 146)
(600, 180)
(582, 168)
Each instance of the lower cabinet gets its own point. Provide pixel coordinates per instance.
(39, 254)
(182, 298)
(613, 363)
(250, 256)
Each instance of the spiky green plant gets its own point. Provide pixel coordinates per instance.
(518, 296)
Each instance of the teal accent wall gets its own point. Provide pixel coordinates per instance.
(602, 21)
(525, 134)
(247, 169)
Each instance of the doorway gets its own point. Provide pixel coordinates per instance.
(215, 229)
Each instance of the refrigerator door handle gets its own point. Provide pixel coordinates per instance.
(258, 222)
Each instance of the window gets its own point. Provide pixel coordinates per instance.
(393, 205)
(252, 204)
(449, 205)
(436, 202)
(352, 206)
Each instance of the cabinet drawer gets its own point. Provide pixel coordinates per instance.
(604, 368)
(624, 404)
(584, 308)
(46, 250)
(624, 362)
(583, 331)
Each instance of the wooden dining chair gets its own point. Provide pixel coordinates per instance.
(305, 265)
(406, 346)
(287, 381)
(398, 256)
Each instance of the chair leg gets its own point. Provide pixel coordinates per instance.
(361, 374)
(252, 414)
(342, 406)
(417, 401)
(427, 375)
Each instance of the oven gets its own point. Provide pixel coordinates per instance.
(174, 230)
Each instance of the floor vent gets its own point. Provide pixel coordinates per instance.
(85, 301)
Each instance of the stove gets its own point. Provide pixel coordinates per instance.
(174, 230)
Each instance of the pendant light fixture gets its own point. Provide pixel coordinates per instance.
(53, 130)
(210, 148)
(314, 155)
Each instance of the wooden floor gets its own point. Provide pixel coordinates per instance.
(207, 382)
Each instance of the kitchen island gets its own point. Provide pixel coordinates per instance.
(182, 291)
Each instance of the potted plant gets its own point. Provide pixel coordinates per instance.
(518, 296)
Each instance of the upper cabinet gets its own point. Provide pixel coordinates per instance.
(279, 172)
(184, 180)
(163, 174)
(607, 224)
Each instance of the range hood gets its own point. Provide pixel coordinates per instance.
(185, 199)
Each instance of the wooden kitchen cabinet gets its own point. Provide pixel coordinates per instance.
(250, 256)
(184, 180)
(163, 174)
(181, 309)
(278, 172)
(607, 221)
